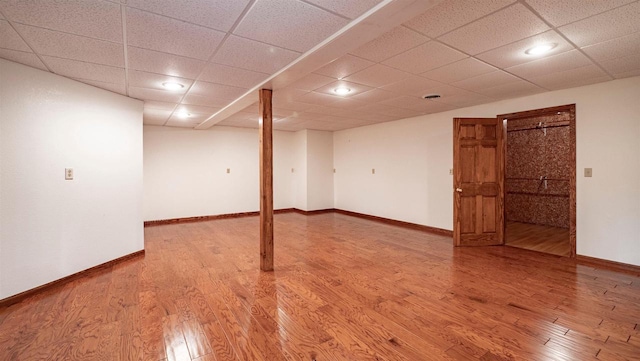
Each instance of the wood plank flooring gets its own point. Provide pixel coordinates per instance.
(539, 238)
(343, 288)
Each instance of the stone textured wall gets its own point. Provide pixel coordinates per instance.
(532, 154)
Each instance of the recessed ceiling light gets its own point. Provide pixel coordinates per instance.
(540, 49)
(170, 85)
(342, 90)
(183, 115)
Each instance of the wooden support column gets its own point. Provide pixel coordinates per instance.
(266, 181)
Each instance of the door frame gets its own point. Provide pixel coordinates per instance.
(571, 109)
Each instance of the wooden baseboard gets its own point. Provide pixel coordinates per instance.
(161, 222)
(231, 215)
(440, 231)
(310, 213)
(419, 227)
(609, 265)
(6, 302)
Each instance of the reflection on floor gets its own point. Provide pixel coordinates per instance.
(535, 237)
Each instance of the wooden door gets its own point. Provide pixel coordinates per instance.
(478, 168)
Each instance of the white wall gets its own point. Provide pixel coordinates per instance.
(299, 188)
(412, 158)
(185, 171)
(49, 227)
(319, 170)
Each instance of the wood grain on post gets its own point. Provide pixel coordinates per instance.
(266, 181)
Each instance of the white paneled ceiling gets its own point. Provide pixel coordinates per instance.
(221, 51)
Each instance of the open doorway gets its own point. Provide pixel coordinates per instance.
(540, 178)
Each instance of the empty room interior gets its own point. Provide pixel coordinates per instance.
(319, 180)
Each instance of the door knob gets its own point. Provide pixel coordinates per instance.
(459, 190)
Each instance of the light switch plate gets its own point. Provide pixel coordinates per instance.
(228, 170)
(588, 172)
(373, 171)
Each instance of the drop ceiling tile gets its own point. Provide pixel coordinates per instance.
(571, 78)
(252, 55)
(443, 90)
(151, 104)
(345, 104)
(425, 57)
(276, 21)
(93, 18)
(116, 88)
(374, 95)
(163, 63)
(9, 38)
(567, 11)
(26, 58)
(216, 14)
(351, 9)
(606, 26)
(149, 31)
(217, 90)
(377, 76)
(623, 67)
(466, 99)
(141, 79)
(228, 75)
(433, 106)
(154, 95)
(512, 90)
(503, 27)
(387, 110)
(181, 123)
(413, 86)
(291, 105)
(344, 66)
(205, 100)
(514, 53)
(88, 71)
(459, 70)
(327, 110)
(355, 88)
(193, 119)
(287, 95)
(68, 46)
(561, 62)
(372, 117)
(155, 116)
(485, 81)
(449, 15)
(317, 98)
(241, 123)
(325, 126)
(407, 102)
(197, 109)
(389, 44)
(616, 48)
(310, 82)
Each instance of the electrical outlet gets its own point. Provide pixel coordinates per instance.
(588, 172)
(228, 170)
(292, 170)
(450, 171)
(334, 170)
(373, 171)
(68, 173)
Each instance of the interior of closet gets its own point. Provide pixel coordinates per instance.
(538, 169)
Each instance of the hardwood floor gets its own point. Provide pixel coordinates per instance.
(539, 238)
(343, 288)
